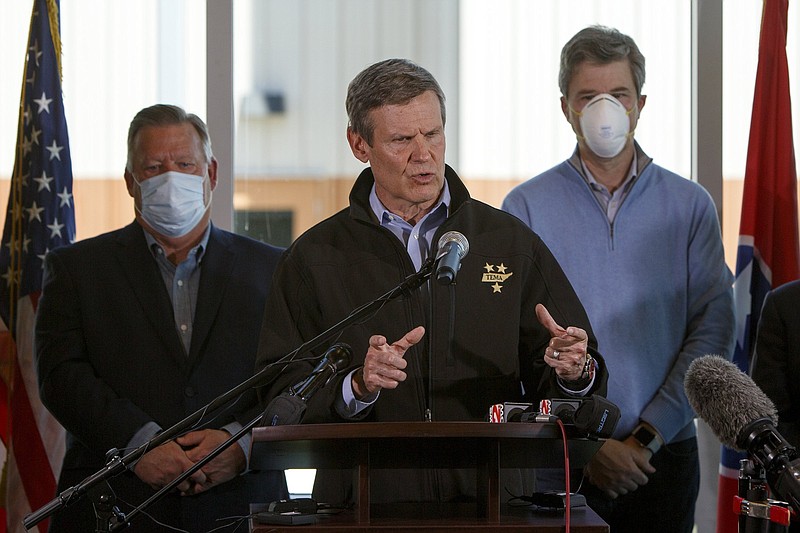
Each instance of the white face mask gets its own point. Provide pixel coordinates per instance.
(173, 203)
(605, 125)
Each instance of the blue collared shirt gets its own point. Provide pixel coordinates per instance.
(608, 200)
(417, 240)
(182, 282)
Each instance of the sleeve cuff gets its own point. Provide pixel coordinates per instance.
(244, 441)
(350, 406)
(581, 387)
(144, 435)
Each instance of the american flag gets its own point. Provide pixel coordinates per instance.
(40, 217)
(768, 254)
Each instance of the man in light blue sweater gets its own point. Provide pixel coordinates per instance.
(642, 248)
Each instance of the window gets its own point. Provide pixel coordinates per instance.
(497, 64)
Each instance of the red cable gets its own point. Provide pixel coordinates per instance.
(567, 505)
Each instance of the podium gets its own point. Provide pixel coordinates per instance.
(486, 448)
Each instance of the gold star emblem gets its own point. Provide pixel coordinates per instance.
(496, 275)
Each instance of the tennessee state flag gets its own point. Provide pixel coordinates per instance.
(767, 255)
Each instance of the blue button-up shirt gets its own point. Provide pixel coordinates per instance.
(182, 282)
(417, 240)
(608, 200)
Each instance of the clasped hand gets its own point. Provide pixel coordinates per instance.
(620, 467)
(162, 465)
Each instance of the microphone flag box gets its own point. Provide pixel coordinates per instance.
(507, 412)
(560, 407)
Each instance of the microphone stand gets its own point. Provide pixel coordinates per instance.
(116, 464)
(121, 524)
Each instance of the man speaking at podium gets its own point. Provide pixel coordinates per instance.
(506, 326)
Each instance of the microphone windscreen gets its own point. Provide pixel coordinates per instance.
(725, 397)
(597, 416)
(458, 238)
(284, 410)
(340, 355)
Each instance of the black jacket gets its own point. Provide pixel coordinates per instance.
(776, 366)
(497, 344)
(109, 361)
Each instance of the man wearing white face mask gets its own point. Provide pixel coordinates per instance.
(140, 327)
(642, 247)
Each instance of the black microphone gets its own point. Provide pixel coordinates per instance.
(290, 406)
(743, 418)
(594, 416)
(336, 358)
(453, 247)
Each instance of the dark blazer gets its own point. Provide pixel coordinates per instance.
(109, 361)
(776, 361)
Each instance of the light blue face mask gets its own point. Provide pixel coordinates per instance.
(173, 203)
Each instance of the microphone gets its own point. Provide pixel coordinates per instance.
(743, 418)
(336, 358)
(453, 247)
(595, 416)
(290, 406)
(501, 413)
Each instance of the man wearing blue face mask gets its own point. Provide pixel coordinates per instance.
(140, 327)
(642, 247)
(173, 203)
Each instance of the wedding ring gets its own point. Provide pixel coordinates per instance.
(556, 353)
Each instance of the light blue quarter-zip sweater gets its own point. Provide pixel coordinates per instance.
(655, 283)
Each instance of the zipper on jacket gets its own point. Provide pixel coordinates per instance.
(611, 233)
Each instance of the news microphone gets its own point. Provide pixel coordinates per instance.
(336, 358)
(453, 247)
(743, 418)
(290, 406)
(501, 413)
(594, 416)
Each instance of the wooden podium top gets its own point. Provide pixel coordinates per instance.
(340, 445)
(410, 430)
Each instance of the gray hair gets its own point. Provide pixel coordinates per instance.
(601, 45)
(166, 115)
(388, 82)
